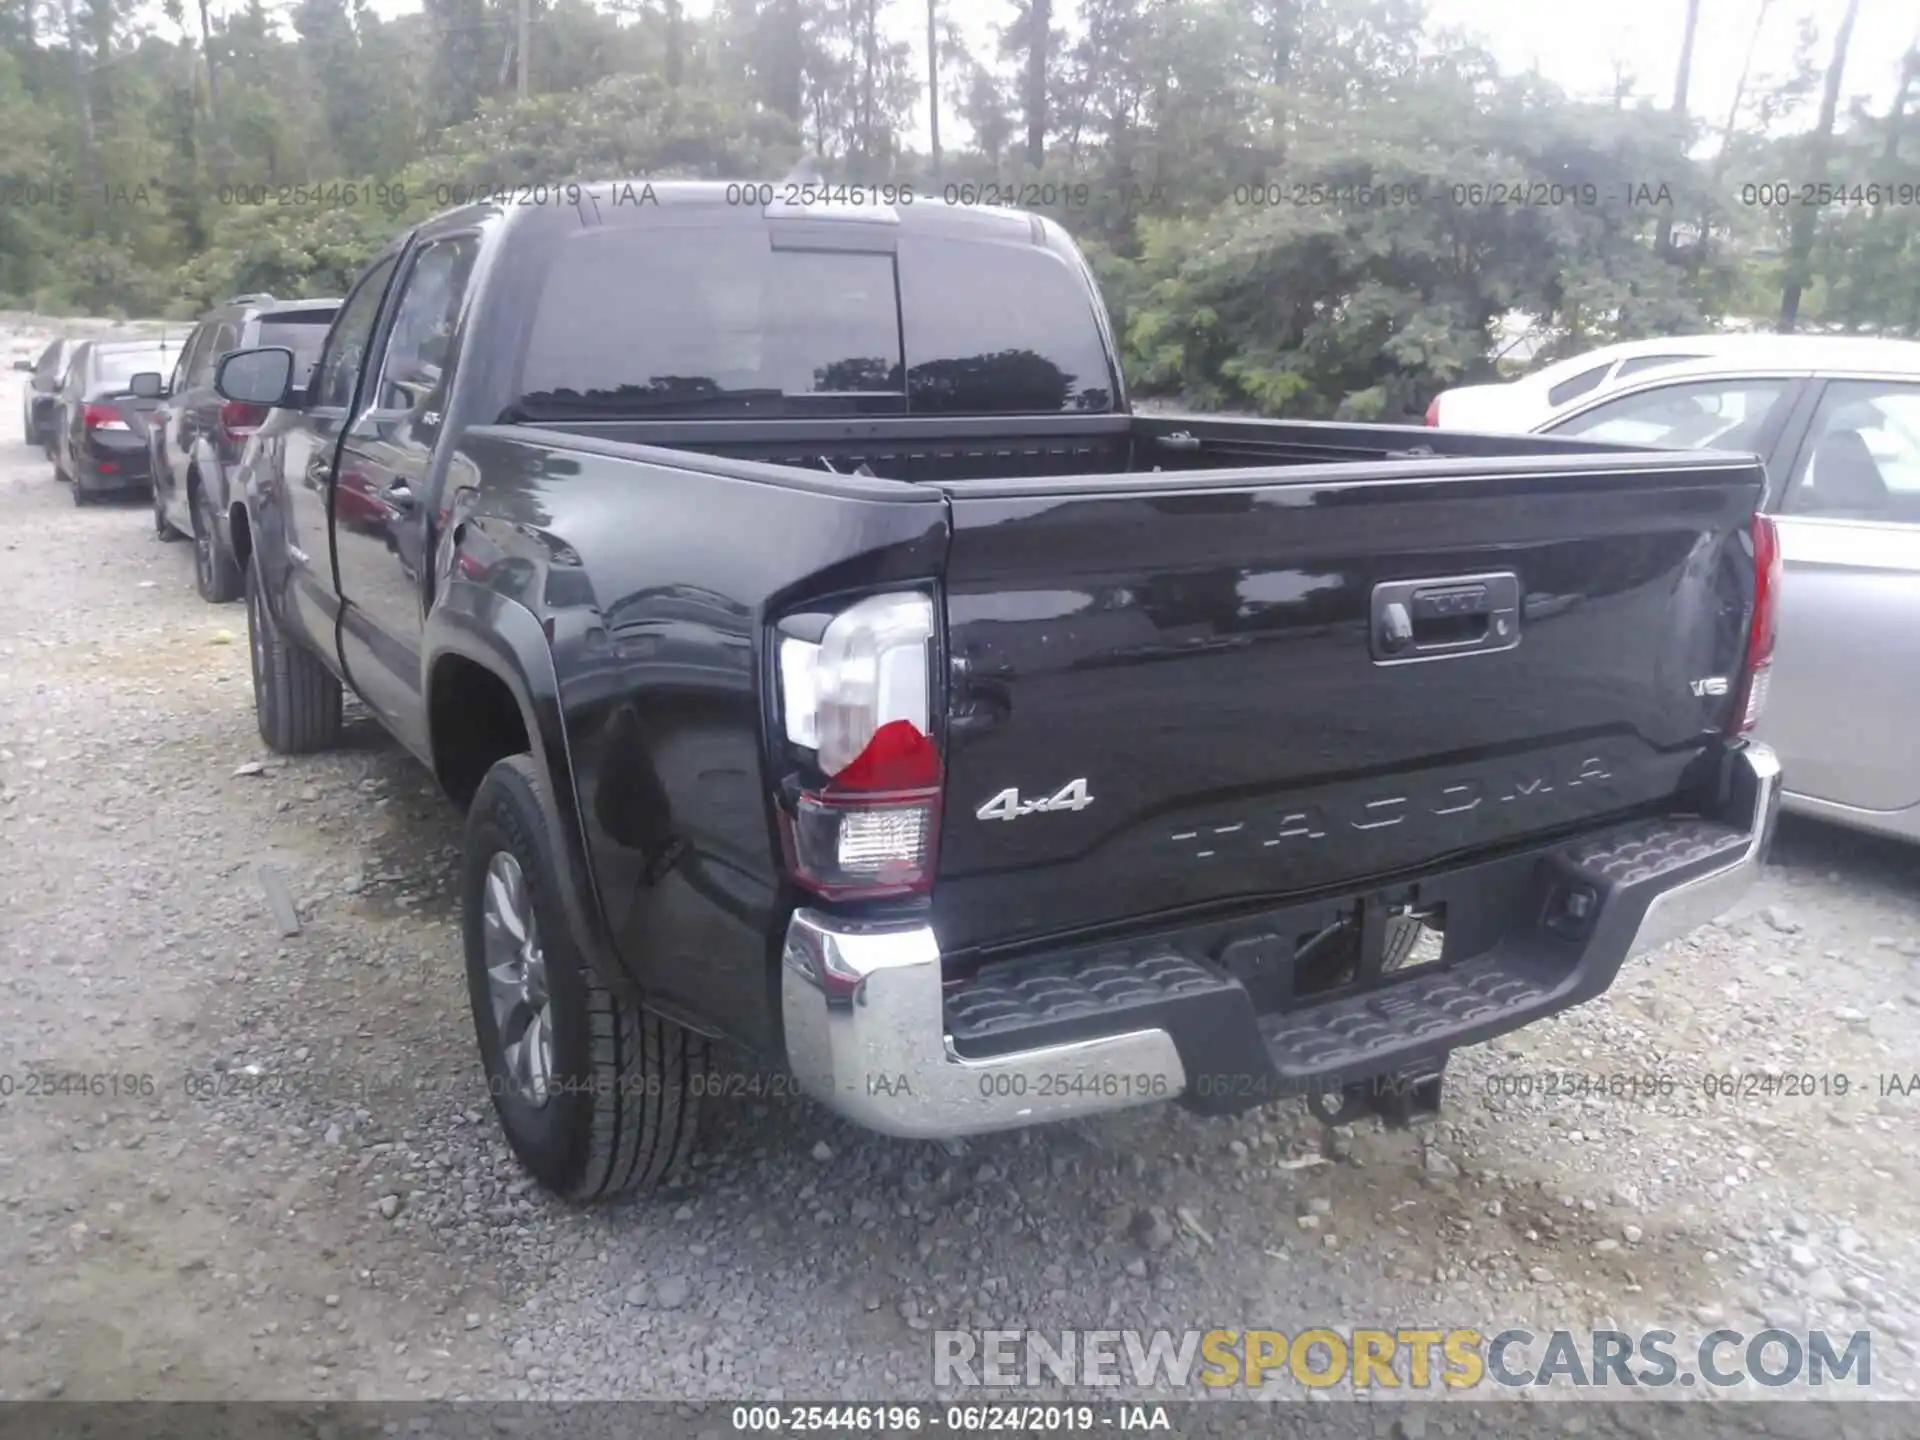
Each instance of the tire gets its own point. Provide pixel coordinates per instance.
(621, 1099)
(163, 528)
(296, 700)
(1403, 933)
(78, 492)
(216, 575)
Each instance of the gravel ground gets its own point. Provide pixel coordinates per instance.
(342, 1220)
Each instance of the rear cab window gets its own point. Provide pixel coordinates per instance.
(301, 331)
(708, 314)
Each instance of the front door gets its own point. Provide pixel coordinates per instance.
(384, 498)
(306, 461)
(1846, 668)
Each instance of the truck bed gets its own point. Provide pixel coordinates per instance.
(940, 449)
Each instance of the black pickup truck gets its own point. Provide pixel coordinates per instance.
(828, 662)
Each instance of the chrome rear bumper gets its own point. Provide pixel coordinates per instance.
(867, 1030)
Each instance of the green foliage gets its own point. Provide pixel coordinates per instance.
(1310, 207)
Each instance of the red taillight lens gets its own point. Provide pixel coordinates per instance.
(240, 421)
(102, 417)
(860, 705)
(1767, 573)
(1433, 412)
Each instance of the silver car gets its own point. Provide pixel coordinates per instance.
(1839, 429)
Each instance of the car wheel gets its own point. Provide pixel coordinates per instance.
(597, 1096)
(296, 700)
(77, 492)
(215, 574)
(163, 528)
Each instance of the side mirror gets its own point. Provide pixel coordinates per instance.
(26, 365)
(256, 377)
(147, 385)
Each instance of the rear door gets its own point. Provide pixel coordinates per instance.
(1846, 670)
(382, 509)
(1176, 692)
(164, 432)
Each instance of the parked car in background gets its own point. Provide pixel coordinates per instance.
(195, 438)
(1535, 400)
(100, 439)
(1837, 422)
(40, 397)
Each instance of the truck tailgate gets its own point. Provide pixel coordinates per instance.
(1184, 690)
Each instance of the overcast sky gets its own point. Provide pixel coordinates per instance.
(1574, 43)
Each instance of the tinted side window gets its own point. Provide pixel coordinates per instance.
(76, 371)
(1861, 458)
(346, 347)
(47, 371)
(218, 339)
(1651, 362)
(1578, 385)
(301, 331)
(708, 317)
(996, 328)
(1699, 415)
(183, 366)
(420, 340)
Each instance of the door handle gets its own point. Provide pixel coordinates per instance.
(1448, 615)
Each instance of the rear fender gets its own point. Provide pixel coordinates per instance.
(506, 639)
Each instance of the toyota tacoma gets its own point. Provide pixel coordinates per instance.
(828, 661)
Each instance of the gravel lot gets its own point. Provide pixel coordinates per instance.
(347, 1223)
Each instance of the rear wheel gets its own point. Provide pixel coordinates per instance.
(296, 700)
(215, 575)
(78, 492)
(597, 1097)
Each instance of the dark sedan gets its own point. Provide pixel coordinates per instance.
(100, 438)
(40, 397)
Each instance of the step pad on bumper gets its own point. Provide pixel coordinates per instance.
(1649, 850)
(1341, 1033)
(1050, 998)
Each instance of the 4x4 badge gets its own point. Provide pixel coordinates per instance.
(1008, 805)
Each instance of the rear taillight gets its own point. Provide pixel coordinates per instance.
(102, 417)
(857, 708)
(1758, 672)
(239, 421)
(1433, 411)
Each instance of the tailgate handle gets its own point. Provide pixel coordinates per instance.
(1444, 617)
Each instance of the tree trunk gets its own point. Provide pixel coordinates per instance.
(868, 68)
(1897, 111)
(1663, 237)
(933, 83)
(82, 98)
(1039, 33)
(676, 45)
(1800, 244)
(206, 51)
(785, 88)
